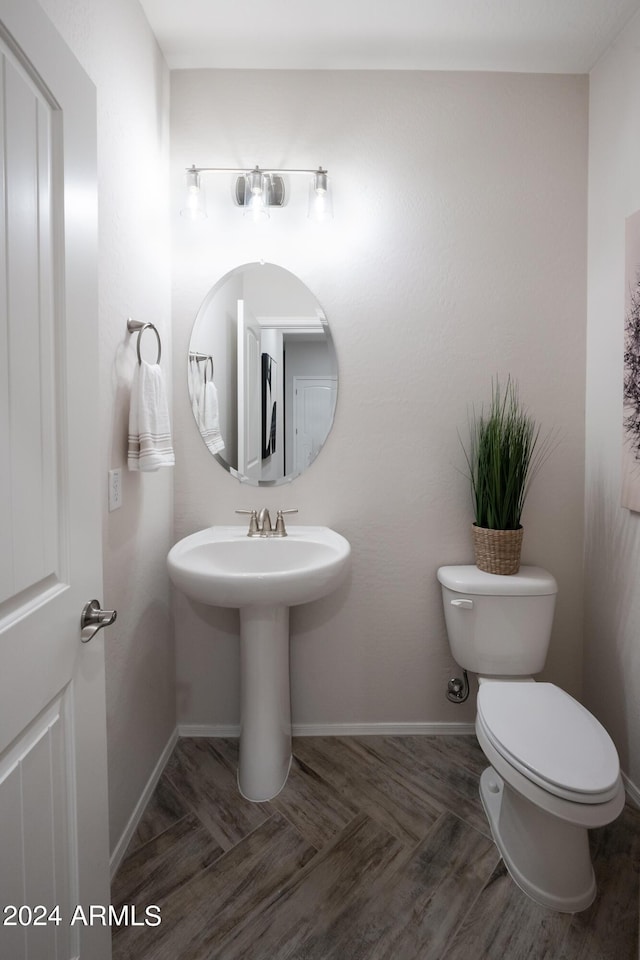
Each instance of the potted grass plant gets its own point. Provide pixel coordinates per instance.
(503, 454)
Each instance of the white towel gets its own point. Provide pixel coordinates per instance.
(196, 383)
(209, 418)
(149, 428)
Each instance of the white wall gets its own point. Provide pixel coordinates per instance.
(612, 625)
(458, 251)
(115, 46)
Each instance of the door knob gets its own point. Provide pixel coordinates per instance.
(93, 619)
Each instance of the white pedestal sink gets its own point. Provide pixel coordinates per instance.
(262, 576)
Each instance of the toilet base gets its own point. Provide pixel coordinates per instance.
(547, 857)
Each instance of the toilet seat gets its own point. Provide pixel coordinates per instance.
(550, 738)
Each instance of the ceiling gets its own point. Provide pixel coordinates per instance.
(539, 36)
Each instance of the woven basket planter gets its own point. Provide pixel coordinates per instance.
(497, 551)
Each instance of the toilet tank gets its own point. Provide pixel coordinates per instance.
(498, 625)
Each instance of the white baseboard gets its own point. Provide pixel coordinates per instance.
(336, 729)
(134, 819)
(633, 793)
(380, 729)
(209, 730)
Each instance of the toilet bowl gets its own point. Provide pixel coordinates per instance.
(555, 772)
(554, 775)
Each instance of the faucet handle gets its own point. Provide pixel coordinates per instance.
(253, 522)
(280, 530)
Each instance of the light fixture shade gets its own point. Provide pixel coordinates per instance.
(194, 206)
(320, 201)
(257, 190)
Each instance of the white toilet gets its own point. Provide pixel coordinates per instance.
(554, 770)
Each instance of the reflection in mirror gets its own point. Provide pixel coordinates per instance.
(262, 374)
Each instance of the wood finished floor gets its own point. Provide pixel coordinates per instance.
(376, 849)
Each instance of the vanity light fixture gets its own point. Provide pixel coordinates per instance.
(258, 189)
(194, 206)
(320, 205)
(257, 194)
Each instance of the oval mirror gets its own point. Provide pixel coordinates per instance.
(262, 374)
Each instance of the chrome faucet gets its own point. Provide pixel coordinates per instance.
(260, 523)
(264, 523)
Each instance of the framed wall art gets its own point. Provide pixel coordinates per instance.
(630, 493)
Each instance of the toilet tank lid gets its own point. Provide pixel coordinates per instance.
(527, 582)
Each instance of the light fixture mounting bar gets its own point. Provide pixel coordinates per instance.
(278, 170)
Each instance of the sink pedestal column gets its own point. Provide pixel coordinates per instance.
(265, 710)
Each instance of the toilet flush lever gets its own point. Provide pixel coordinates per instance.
(465, 604)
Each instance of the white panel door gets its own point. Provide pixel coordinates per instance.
(249, 394)
(314, 401)
(53, 798)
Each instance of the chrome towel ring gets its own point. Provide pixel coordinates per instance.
(134, 326)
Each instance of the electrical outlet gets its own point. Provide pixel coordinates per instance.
(115, 489)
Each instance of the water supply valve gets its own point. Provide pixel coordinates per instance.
(458, 688)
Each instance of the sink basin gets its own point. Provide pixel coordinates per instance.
(223, 567)
(263, 577)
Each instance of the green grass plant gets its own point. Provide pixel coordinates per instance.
(504, 453)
